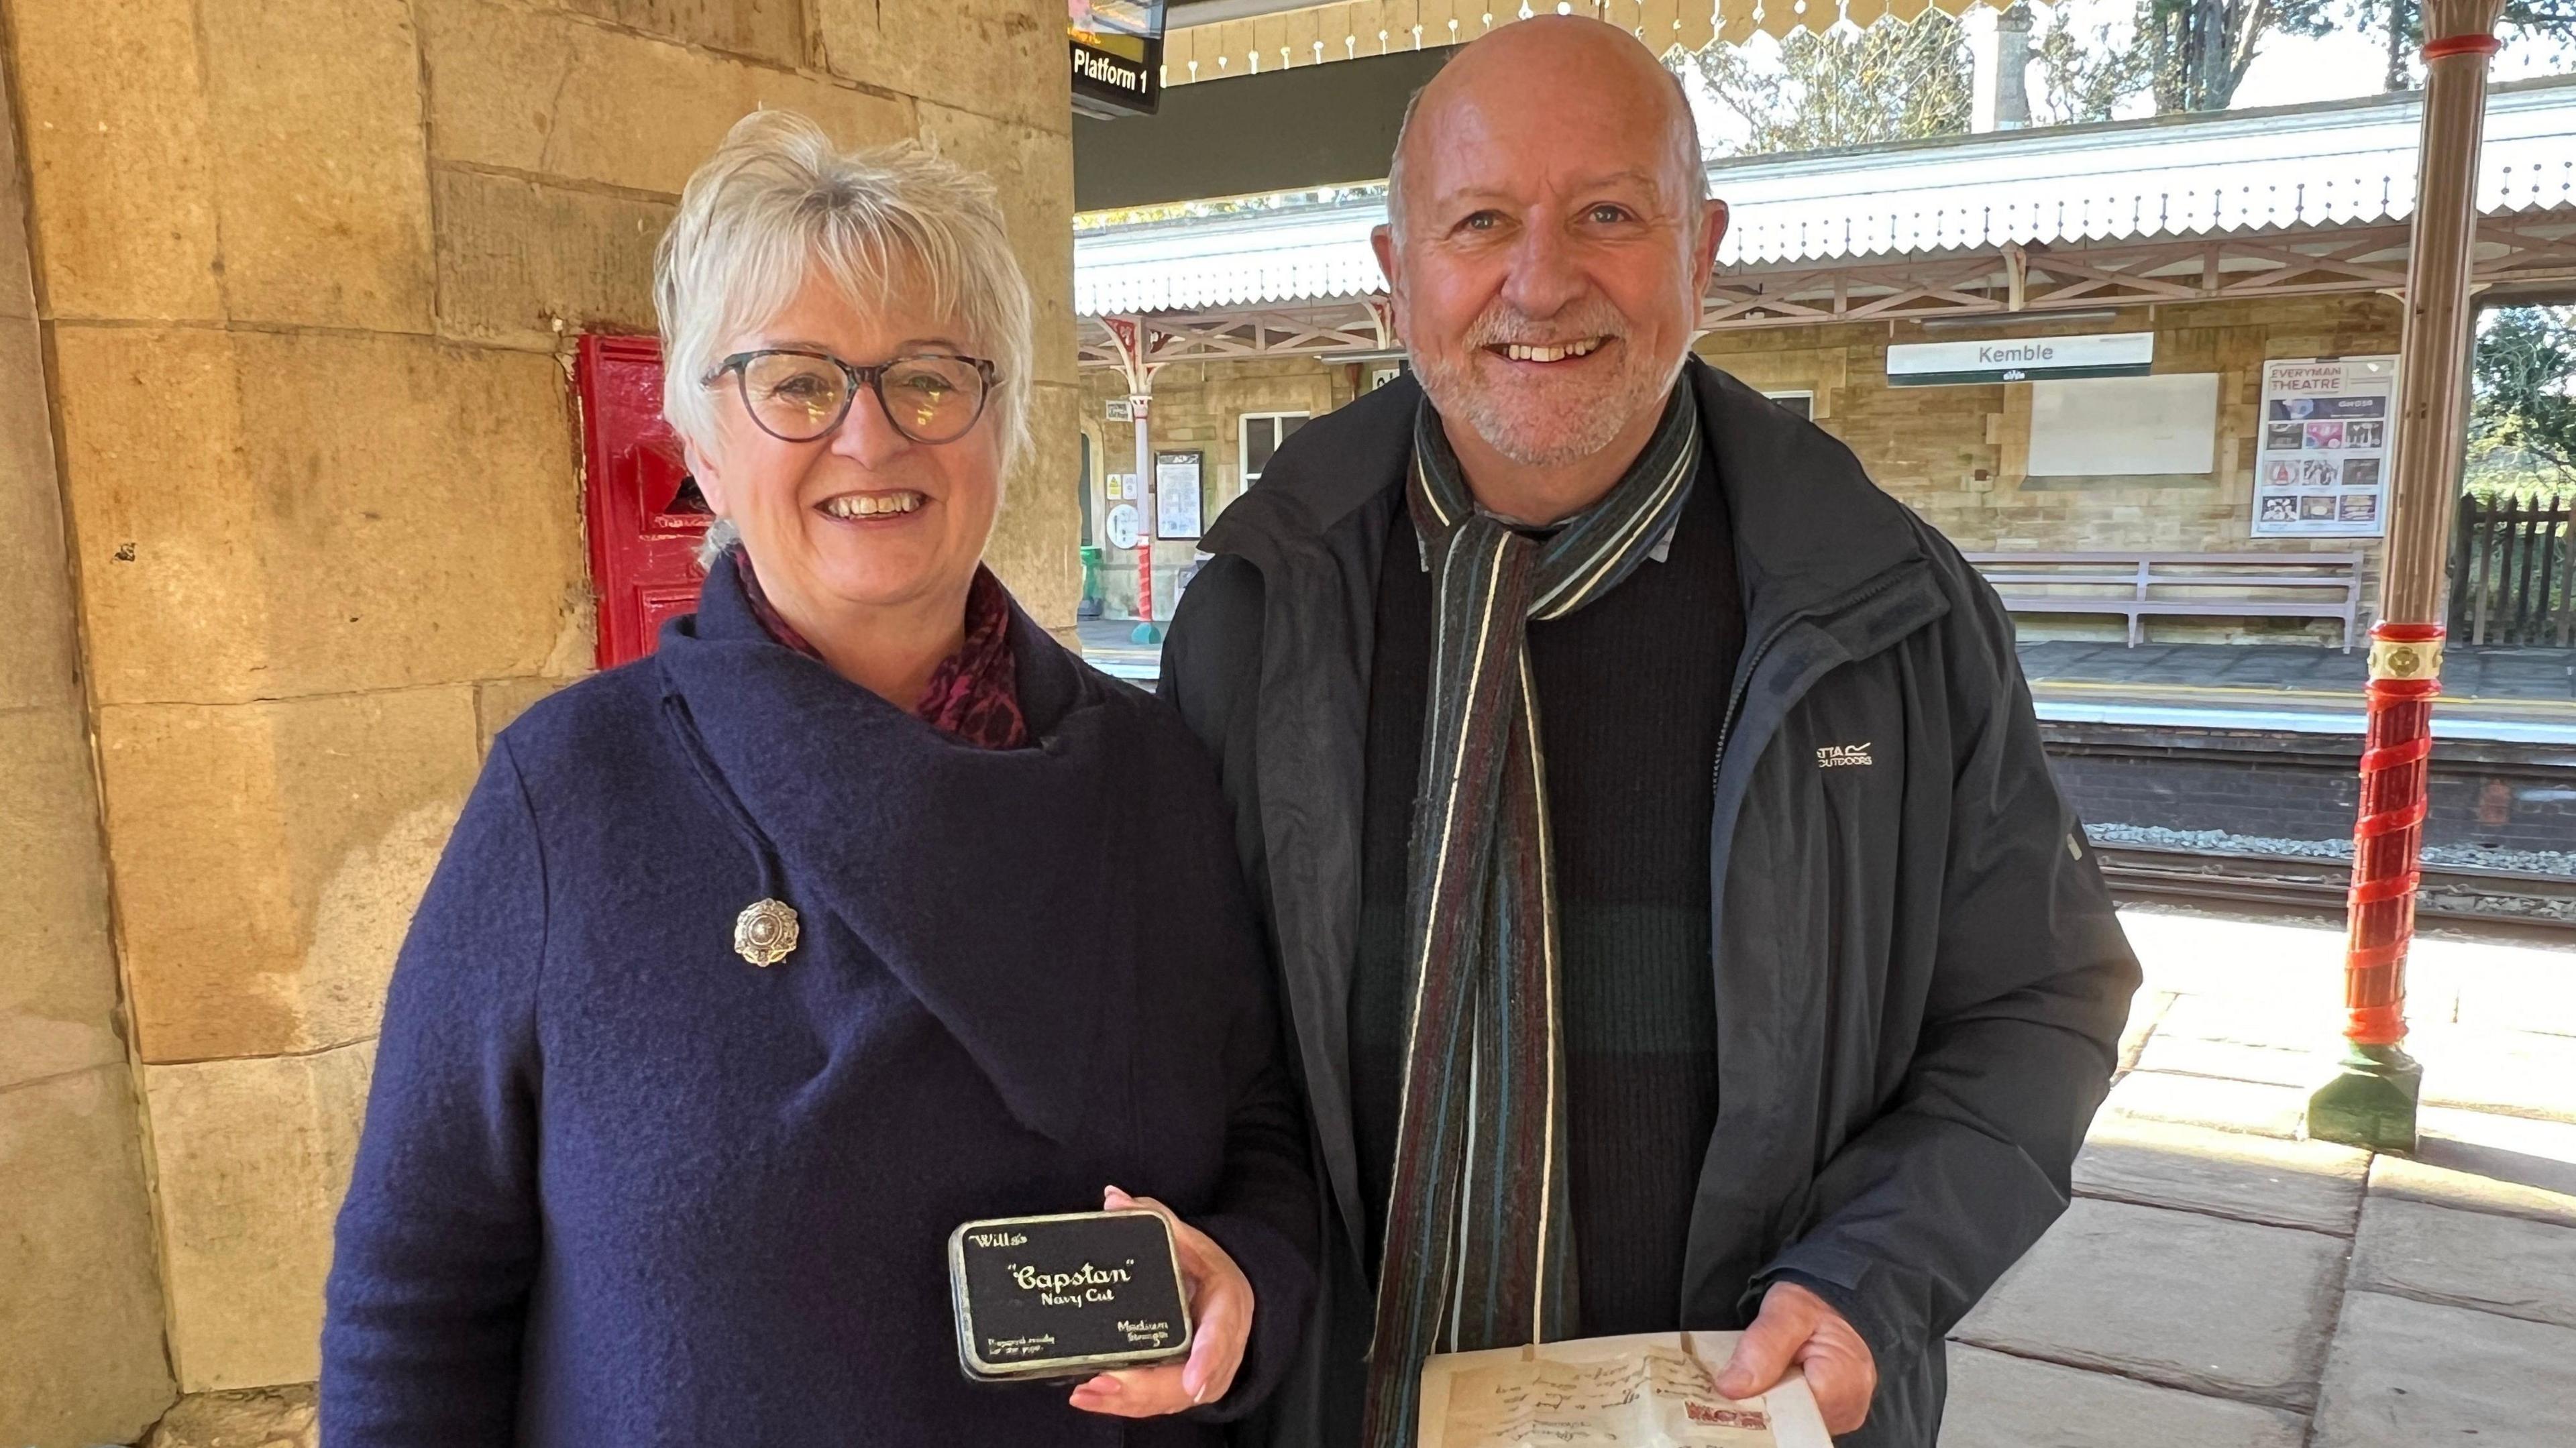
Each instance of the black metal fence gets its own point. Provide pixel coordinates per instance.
(2513, 571)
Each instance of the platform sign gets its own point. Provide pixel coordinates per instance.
(2329, 433)
(1117, 52)
(1177, 484)
(2021, 359)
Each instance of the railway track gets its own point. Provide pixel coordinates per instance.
(2450, 892)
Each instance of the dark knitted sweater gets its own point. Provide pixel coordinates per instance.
(1631, 690)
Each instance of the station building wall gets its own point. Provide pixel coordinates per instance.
(287, 292)
(1957, 455)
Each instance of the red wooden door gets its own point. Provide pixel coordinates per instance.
(644, 512)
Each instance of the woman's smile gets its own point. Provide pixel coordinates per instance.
(874, 509)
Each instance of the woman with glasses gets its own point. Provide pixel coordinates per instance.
(859, 910)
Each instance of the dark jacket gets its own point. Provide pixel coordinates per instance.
(1920, 983)
(620, 1186)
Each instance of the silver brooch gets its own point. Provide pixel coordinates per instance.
(765, 932)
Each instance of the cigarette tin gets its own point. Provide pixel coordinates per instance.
(1067, 1295)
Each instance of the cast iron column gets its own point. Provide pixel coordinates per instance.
(2371, 1101)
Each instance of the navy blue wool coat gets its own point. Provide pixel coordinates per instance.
(619, 1186)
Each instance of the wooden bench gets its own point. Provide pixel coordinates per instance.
(2198, 585)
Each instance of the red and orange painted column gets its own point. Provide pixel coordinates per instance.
(2372, 1099)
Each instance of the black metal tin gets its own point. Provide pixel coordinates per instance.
(1066, 1296)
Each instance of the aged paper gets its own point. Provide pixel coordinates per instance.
(1651, 1391)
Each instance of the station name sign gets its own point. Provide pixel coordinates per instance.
(2021, 359)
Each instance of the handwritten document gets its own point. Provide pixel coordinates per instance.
(1652, 1391)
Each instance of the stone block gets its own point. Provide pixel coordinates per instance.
(17, 278)
(121, 157)
(1033, 170)
(2404, 1374)
(771, 30)
(265, 515)
(591, 272)
(999, 58)
(2511, 1266)
(253, 1418)
(2176, 1298)
(80, 1294)
(57, 960)
(1036, 540)
(267, 859)
(252, 1158)
(2311, 1184)
(499, 702)
(324, 184)
(1998, 1401)
(2262, 1109)
(37, 662)
(2485, 1163)
(554, 96)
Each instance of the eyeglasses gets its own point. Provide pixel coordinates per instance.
(932, 397)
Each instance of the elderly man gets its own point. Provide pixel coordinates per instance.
(1677, 921)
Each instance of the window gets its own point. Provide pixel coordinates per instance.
(1263, 432)
(1801, 402)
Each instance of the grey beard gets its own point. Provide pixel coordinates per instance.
(1454, 394)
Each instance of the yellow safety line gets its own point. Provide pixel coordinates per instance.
(2241, 696)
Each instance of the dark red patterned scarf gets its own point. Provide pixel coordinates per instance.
(974, 694)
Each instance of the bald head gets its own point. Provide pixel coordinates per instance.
(1549, 66)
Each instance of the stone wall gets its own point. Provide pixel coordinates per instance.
(1957, 455)
(1198, 406)
(307, 272)
(1930, 445)
(80, 1295)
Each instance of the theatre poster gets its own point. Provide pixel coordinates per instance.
(2329, 435)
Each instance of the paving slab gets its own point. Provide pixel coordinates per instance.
(2488, 1163)
(2146, 1010)
(2312, 1184)
(2281, 1024)
(2512, 986)
(2404, 1374)
(2305, 1067)
(2231, 1309)
(2259, 1108)
(2511, 1266)
(2000, 1401)
(2237, 959)
(2517, 1073)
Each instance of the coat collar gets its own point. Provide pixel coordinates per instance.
(1780, 476)
(886, 828)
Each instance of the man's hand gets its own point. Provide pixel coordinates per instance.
(1795, 1326)
(1220, 1310)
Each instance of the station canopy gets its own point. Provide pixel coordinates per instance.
(1258, 36)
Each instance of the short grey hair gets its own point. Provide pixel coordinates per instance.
(1695, 189)
(778, 201)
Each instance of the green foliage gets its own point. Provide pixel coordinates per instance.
(2522, 405)
(1891, 82)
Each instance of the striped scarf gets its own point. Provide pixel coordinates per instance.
(1479, 1240)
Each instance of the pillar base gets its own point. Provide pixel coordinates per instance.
(1146, 633)
(2371, 1100)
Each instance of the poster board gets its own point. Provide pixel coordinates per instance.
(2125, 426)
(2329, 433)
(1176, 494)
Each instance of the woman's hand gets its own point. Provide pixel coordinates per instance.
(1221, 1308)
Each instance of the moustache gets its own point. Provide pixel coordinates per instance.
(1506, 326)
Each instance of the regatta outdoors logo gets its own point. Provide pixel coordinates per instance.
(1838, 756)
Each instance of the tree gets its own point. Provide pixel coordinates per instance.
(2402, 22)
(2522, 414)
(2197, 51)
(2086, 79)
(1892, 82)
